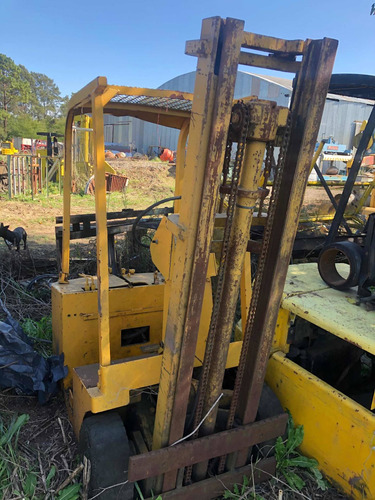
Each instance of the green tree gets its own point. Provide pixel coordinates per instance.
(24, 125)
(13, 90)
(29, 102)
(29, 105)
(47, 94)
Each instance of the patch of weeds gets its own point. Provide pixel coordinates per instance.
(14, 473)
(70, 493)
(140, 494)
(291, 464)
(41, 332)
(41, 329)
(243, 491)
(20, 478)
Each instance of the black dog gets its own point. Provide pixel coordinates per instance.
(14, 237)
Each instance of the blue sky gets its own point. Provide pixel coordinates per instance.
(141, 43)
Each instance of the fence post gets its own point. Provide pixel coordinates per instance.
(32, 178)
(40, 170)
(14, 177)
(9, 178)
(19, 161)
(47, 165)
(27, 175)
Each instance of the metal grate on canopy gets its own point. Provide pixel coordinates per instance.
(172, 103)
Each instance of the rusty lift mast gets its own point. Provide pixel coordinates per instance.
(183, 466)
(254, 126)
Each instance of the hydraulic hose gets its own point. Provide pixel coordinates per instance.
(145, 212)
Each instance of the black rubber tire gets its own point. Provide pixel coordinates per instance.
(269, 406)
(327, 268)
(104, 442)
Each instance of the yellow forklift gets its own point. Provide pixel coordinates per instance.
(163, 388)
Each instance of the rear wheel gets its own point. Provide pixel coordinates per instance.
(269, 406)
(104, 442)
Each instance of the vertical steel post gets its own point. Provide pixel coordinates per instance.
(40, 175)
(28, 159)
(101, 236)
(98, 100)
(66, 199)
(15, 176)
(180, 162)
(23, 175)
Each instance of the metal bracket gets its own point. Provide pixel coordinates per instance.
(197, 48)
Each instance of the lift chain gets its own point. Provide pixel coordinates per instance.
(244, 111)
(266, 171)
(226, 166)
(257, 281)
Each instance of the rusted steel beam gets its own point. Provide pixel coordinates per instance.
(191, 452)
(307, 107)
(181, 272)
(272, 44)
(216, 486)
(227, 62)
(270, 62)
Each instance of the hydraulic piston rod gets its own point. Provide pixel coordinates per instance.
(265, 118)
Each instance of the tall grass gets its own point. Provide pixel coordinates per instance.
(20, 477)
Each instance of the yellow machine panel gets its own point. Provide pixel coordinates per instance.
(338, 431)
(75, 320)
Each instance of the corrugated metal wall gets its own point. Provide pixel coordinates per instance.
(338, 117)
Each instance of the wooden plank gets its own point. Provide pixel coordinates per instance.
(191, 452)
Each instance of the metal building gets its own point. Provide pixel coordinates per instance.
(339, 118)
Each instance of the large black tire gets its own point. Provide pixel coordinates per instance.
(327, 264)
(104, 442)
(269, 406)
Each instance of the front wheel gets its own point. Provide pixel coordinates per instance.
(104, 442)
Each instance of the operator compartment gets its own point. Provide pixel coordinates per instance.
(123, 320)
